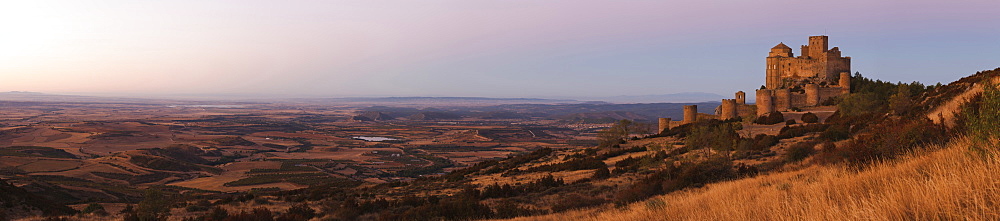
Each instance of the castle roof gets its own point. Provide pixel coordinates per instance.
(781, 46)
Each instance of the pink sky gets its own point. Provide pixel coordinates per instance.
(470, 48)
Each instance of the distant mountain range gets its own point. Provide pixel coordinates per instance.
(686, 97)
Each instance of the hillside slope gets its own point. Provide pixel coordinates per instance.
(16, 202)
(949, 183)
(955, 180)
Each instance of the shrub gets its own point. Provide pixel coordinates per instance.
(574, 164)
(508, 209)
(764, 141)
(721, 137)
(201, 205)
(889, 139)
(835, 133)
(790, 122)
(800, 130)
(217, 213)
(298, 212)
(809, 117)
(631, 164)
(575, 201)
(676, 178)
(771, 118)
(507, 190)
(95, 209)
(154, 206)
(516, 161)
(258, 214)
(638, 191)
(601, 173)
(715, 169)
(800, 151)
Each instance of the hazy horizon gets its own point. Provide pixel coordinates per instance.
(504, 49)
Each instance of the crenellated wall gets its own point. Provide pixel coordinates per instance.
(785, 100)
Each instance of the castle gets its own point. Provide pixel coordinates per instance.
(814, 76)
(817, 74)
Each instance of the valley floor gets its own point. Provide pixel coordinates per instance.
(952, 182)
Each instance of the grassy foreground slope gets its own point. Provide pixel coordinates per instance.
(949, 182)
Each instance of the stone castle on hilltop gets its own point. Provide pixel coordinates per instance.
(817, 74)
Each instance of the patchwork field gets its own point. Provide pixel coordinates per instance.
(106, 151)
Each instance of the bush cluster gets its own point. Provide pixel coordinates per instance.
(810, 117)
(800, 151)
(771, 118)
(675, 178)
(887, 140)
(507, 190)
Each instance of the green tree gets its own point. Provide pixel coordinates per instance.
(901, 102)
(154, 206)
(641, 128)
(616, 134)
(721, 138)
(859, 104)
(982, 118)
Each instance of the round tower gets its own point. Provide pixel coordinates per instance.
(690, 113)
(845, 82)
(741, 98)
(728, 109)
(664, 124)
(781, 99)
(765, 102)
(812, 95)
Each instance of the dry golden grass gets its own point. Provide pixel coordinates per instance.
(949, 183)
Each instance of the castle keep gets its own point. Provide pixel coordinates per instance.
(817, 74)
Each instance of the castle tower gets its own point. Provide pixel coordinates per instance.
(781, 99)
(845, 82)
(741, 98)
(728, 109)
(778, 52)
(664, 124)
(781, 50)
(690, 113)
(812, 95)
(765, 102)
(818, 46)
